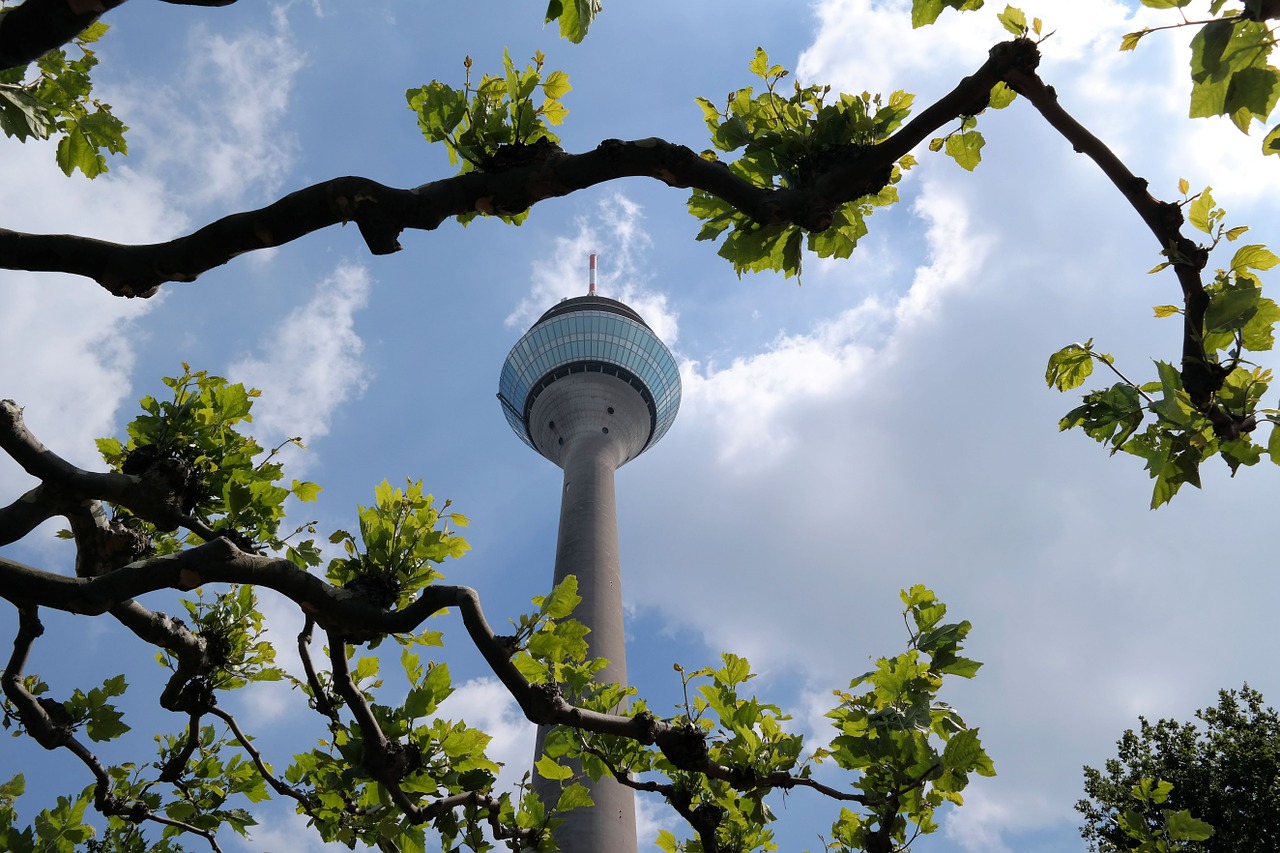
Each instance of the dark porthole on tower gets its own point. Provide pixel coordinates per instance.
(611, 410)
(604, 429)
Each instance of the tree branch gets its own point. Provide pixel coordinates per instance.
(304, 802)
(31, 30)
(1200, 377)
(381, 213)
(149, 497)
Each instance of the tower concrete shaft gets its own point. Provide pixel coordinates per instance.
(591, 387)
(587, 547)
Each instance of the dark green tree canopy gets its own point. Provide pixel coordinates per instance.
(1224, 768)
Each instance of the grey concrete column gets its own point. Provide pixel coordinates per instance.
(587, 547)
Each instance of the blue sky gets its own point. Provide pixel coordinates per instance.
(884, 424)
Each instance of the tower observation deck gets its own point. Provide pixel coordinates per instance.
(591, 387)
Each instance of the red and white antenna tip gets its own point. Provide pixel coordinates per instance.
(591, 288)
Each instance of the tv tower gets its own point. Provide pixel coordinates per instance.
(591, 387)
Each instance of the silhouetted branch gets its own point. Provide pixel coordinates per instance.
(1200, 377)
(381, 213)
(324, 704)
(31, 30)
(304, 802)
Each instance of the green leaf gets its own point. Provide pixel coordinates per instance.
(1167, 310)
(1130, 40)
(1253, 257)
(963, 667)
(574, 797)
(964, 752)
(1183, 827)
(75, 151)
(1069, 367)
(924, 12)
(562, 600)
(305, 491)
(548, 769)
(575, 17)
(1001, 96)
(1258, 334)
(1013, 20)
(1199, 210)
(556, 85)
(1251, 93)
(1271, 142)
(1230, 308)
(22, 115)
(965, 148)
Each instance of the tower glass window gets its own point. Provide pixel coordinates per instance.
(590, 333)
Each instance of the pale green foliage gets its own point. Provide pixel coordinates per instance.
(1230, 70)
(574, 17)
(495, 123)
(54, 98)
(234, 627)
(908, 752)
(404, 536)
(552, 646)
(787, 141)
(1157, 420)
(60, 829)
(1014, 20)
(230, 484)
(925, 12)
(1231, 74)
(910, 748)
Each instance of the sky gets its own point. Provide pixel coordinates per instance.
(883, 423)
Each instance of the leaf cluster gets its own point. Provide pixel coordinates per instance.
(60, 829)
(789, 141)
(435, 758)
(233, 628)
(551, 648)
(218, 475)
(1158, 421)
(215, 772)
(1231, 74)
(1172, 828)
(54, 97)
(913, 752)
(403, 537)
(908, 752)
(496, 122)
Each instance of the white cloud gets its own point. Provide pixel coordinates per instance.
(226, 112)
(68, 344)
(280, 829)
(888, 54)
(616, 233)
(753, 410)
(653, 813)
(977, 826)
(311, 364)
